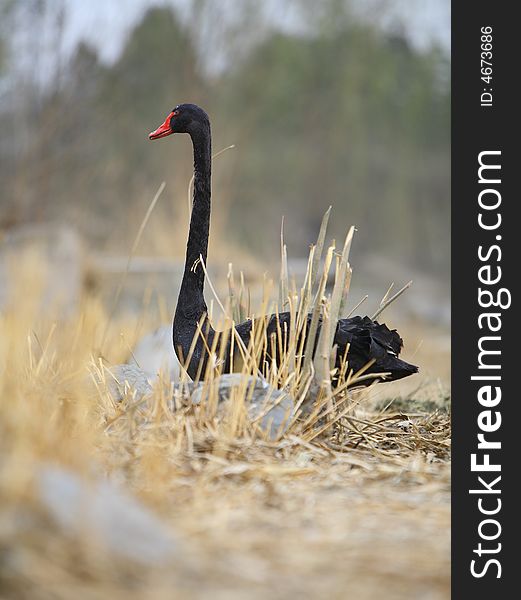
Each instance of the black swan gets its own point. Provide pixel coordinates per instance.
(368, 340)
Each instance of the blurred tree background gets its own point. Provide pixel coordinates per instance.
(340, 112)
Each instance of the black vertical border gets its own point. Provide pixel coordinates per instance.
(475, 129)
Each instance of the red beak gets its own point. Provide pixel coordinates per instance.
(163, 130)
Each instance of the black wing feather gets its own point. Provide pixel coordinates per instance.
(368, 341)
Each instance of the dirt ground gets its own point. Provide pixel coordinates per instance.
(360, 511)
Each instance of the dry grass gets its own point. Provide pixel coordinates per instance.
(351, 503)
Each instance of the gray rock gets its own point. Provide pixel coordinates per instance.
(127, 380)
(271, 408)
(116, 520)
(155, 353)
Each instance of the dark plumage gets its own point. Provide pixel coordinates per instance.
(367, 339)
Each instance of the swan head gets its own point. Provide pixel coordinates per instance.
(184, 118)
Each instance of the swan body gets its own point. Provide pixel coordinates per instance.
(368, 340)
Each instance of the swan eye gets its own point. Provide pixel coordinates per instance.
(175, 113)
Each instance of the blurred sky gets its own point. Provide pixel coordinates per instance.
(401, 148)
(105, 23)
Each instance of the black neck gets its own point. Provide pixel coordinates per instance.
(191, 305)
(192, 285)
